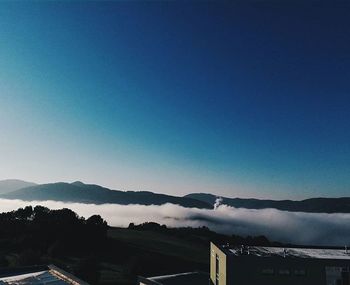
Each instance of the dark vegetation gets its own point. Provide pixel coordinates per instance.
(99, 254)
(203, 235)
(33, 236)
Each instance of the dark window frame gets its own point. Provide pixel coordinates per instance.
(299, 272)
(284, 272)
(217, 269)
(267, 271)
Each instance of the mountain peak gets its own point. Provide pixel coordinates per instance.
(78, 183)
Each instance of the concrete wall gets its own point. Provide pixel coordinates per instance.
(214, 251)
(249, 270)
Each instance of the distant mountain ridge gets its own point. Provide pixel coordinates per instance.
(312, 205)
(10, 185)
(95, 194)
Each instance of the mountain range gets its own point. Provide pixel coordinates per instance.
(10, 185)
(312, 205)
(91, 193)
(95, 194)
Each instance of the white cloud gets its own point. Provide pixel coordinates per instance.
(294, 227)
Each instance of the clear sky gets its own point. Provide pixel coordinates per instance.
(249, 100)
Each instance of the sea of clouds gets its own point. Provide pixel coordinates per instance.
(293, 227)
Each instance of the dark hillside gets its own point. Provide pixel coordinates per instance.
(88, 193)
(312, 205)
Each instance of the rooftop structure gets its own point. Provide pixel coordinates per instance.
(38, 275)
(318, 253)
(250, 265)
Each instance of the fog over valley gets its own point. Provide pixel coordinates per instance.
(283, 226)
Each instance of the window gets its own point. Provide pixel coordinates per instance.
(217, 270)
(284, 272)
(299, 272)
(267, 271)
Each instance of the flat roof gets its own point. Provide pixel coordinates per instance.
(261, 251)
(42, 277)
(36, 276)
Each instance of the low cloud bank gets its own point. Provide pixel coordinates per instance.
(293, 227)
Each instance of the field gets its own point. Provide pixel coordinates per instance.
(148, 253)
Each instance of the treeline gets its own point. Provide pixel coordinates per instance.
(58, 231)
(204, 235)
(30, 236)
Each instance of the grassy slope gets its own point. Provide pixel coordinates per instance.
(161, 243)
(149, 253)
(129, 253)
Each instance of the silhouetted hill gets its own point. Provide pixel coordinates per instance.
(314, 205)
(88, 193)
(10, 185)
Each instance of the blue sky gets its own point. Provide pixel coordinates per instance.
(248, 100)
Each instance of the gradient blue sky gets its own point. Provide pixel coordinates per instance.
(249, 100)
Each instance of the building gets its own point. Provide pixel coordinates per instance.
(276, 266)
(188, 278)
(38, 275)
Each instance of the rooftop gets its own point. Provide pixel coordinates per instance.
(39, 276)
(260, 251)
